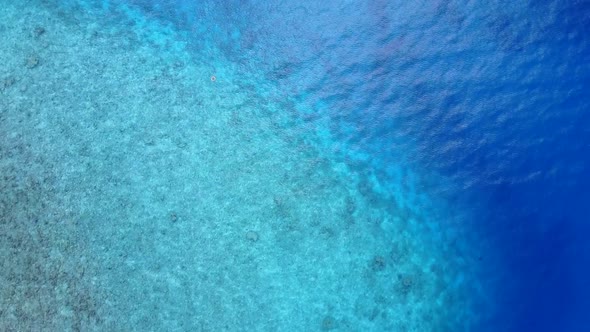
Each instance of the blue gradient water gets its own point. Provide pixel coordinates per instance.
(493, 97)
(471, 117)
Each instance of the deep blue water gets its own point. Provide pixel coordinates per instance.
(491, 96)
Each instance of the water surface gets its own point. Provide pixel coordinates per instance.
(267, 166)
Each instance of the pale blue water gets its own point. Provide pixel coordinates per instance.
(275, 166)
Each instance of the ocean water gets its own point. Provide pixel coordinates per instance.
(294, 166)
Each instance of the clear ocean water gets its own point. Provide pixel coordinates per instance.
(294, 166)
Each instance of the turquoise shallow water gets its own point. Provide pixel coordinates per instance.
(140, 194)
